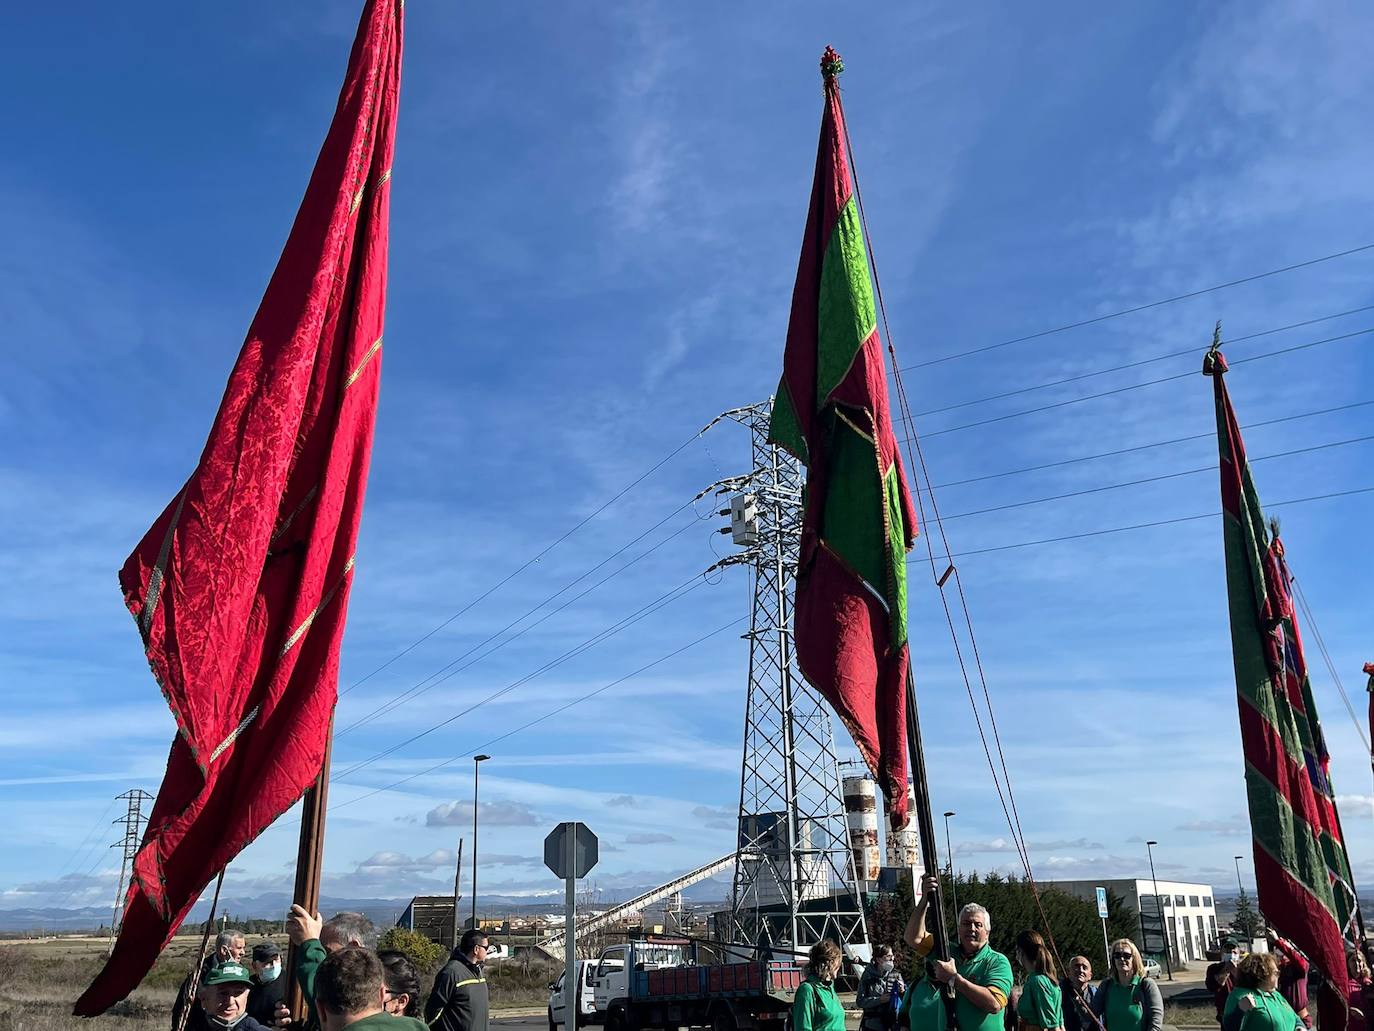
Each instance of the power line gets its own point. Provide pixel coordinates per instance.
(1136, 364)
(1146, 526)
(1208, 434)
(1311, 621)
(686, 587)
(80, 849)
(1138, 386)
(530, 561)
(548, 715)
(1137, 308)
(448, 670)
(1153, 479)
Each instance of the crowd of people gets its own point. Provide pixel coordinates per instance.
(1263, 991)
(344, 982)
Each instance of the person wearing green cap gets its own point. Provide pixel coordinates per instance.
(223, 998)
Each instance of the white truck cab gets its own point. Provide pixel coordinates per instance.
(611, 979)
(586, 1003)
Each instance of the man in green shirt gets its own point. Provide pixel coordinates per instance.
(980, 975)
(349, 990)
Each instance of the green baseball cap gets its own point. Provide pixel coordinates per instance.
(229, 973)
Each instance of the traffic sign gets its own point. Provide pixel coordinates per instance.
(584, 850)
(1102, 903)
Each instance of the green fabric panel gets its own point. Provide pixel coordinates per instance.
(853, 526)
(1272, 1011)
(896, 547)
(846, 315)
(1040, 1002)
(784, 428)
(1247, 646)
(1288, 839)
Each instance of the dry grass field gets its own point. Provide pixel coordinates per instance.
(39, 981)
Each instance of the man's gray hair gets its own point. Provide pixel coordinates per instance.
(974, 908)
(227, 937)
(348, 929)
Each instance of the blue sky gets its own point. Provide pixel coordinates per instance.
(595, 225)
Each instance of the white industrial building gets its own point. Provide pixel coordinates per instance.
(1190, 915)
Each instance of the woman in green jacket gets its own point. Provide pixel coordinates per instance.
(815, 1007)
(1040, 1007)
(1255, 1003)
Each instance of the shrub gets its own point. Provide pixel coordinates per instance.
(425, 954)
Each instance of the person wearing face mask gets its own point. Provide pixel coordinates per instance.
(350, 987)
(400, 983)
(223, 1000)
(881, 981)
(229, 946)
(267, 996)
(1221, 976)
(815, 1006)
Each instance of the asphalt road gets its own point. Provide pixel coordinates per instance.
(539, 1022)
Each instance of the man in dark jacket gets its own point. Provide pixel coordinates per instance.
(268, 991)
(458, 1001)
(1078, 991)
(223, 1000)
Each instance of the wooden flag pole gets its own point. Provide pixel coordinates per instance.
(309, 864)
(925, 827)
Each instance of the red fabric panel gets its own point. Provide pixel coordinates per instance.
(1297, 908)
(842, 642)
(240, 587)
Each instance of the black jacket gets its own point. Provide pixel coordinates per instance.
(458, 1001)
(263, 999)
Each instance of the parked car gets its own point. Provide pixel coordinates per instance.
(1151, 967)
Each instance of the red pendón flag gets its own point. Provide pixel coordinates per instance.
(240, 587)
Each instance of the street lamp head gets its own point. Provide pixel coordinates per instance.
(1149, 843)
(1239, 858)
(480, 758)
(949, 814)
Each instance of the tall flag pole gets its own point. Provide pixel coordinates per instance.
(1369, 688)
(1290, 817)
(831, 411)
(240, 588)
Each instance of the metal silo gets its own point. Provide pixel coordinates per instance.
(861, 816)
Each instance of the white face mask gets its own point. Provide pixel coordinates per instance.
(220, 1022)
(269, 973)
(884, 966)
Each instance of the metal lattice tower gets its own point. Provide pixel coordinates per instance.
(794, 875)
(134, 823)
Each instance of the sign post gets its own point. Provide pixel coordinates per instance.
(1102, 912)
(570, 851)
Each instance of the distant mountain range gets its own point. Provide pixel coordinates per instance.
(381, 911)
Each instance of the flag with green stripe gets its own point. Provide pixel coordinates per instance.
(831, 411)
(1300, 872)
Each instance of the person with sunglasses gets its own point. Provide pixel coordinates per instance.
(400, 984)
(1128, 1000)
(459, 1000)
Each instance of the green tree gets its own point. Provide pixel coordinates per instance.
(425, 954)
(1246, 921)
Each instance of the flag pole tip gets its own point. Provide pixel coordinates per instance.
(1214, 362)
(831, 64)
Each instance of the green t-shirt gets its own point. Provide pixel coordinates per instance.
(1271, 1013)
(1041, 1002)
(815, 1007)
(987, 968)
(1122, 1011)
(922, 1008)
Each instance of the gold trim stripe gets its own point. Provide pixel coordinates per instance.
(382, 180)
(353, 376)
(286, 525)
(154, 592)
(299, 632)
(233, 734)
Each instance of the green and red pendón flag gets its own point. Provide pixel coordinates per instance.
(1302, 873)
(832, 412)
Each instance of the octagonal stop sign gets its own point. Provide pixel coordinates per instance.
(584, 850)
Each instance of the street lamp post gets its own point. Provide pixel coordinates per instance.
(477, 761)
(949, 854)
(1239, 887)
(1159, 908)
